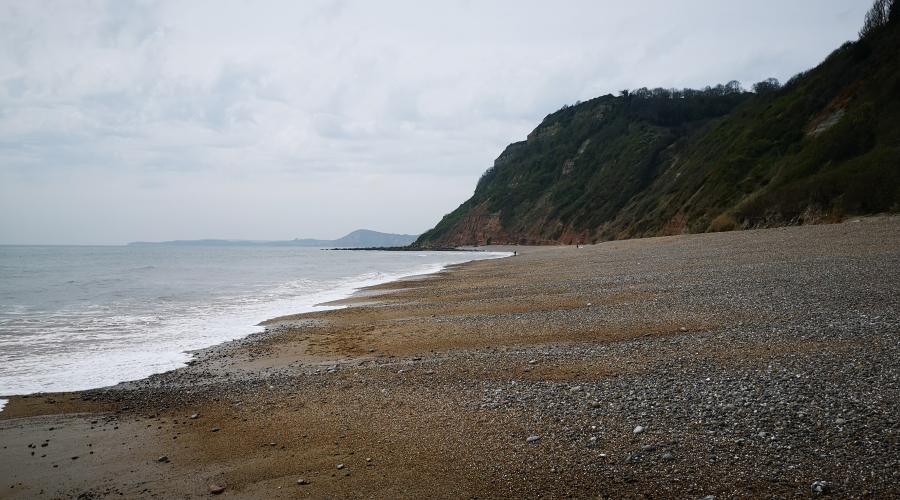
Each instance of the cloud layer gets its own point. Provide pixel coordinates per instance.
(159, 120)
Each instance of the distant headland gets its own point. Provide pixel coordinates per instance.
(357, 239)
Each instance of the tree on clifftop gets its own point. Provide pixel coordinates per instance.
(881, 13)
(767, 85)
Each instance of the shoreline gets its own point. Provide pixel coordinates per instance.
(338, 296)
(677, 366)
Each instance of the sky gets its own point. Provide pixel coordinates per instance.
(138, 120)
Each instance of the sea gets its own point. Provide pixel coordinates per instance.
(81, 317)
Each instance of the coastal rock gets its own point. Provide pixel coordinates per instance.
(819, 487)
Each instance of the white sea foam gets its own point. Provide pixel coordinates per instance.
(79, 348)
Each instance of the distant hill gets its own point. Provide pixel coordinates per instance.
(655, 162)
(366, 238)
(360, 238)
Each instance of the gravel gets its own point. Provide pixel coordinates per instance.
(750, 364)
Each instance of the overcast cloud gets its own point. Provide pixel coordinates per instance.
(126, 121)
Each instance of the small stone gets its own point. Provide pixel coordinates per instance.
(302, 481)
(840, 421)
(532, 438)
(195, 416)
(163, 459)
(667, 456)
(215, 489)
(368, 459)
(577, 388)
(709, 497)
(638, 429)
(819, 487)
(215, 429)
(340, 466)
(595, 404)
(532, 361)
(682, 329)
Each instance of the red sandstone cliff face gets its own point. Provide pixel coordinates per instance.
(481, 227)
(478, 228)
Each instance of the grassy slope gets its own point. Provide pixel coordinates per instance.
(760, 165)
(617, 167)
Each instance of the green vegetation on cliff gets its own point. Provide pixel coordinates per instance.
(664, 161)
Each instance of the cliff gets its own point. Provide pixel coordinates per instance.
(824, 146)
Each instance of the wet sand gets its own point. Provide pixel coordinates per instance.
(742, 365)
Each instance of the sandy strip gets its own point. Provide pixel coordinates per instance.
(747, 364)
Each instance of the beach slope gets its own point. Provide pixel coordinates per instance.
(743, 365)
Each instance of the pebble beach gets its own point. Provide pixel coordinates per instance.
(751, 364)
